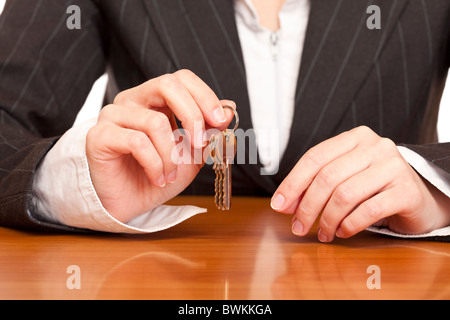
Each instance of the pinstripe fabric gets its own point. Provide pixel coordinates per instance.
(317, 53)
(332, 91)
(144, 40)
(38, 63)
(201, 48)
(385, 30)
(405, 68)
(37, 6)
(388, 79)
(380, 98)
(33, 91)
(427, 28)
(227, 38)
(165, 34)
(122, 10)
(10, 4)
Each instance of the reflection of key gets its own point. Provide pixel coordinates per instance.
(225, 152)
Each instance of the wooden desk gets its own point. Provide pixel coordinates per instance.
(248, 253)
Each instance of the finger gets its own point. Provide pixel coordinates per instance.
(325, 182)
(169, 91)
(312, 162)
(156, 125)
(205, 98)
(380, 206)
(349, 195)
(111, 142)
(229, 115)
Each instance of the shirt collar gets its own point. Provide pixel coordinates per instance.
(248, 14)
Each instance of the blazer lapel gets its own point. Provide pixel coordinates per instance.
(339, 52)
(201, 35)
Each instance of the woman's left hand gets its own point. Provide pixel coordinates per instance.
(355, 180)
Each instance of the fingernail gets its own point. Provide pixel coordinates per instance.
(297, 228)
(162, 181)
(277, 202)
(219, 114)
(200, 142)
(172, 177)
(339, 233)
(322, 237)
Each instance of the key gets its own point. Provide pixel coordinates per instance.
(223, 151)
(217, 167)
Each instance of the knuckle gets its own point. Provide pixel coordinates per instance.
(305, 212)
(326, 177)
(386, 145)
(372, 210)
(290, 186)
(185, 73)
(157, 166)
(121, 97)
(94, 134)
(364, 130)
(209, 98)
(314, 156)
(343, 195)
(138, 140)
(397, 165)
(169, 81)
(97, 138)
(158, 122)
(326, 223)
(347, 227)
(106, 112)
(193, 120)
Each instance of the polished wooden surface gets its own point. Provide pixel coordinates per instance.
(247, 253)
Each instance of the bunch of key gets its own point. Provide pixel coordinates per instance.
(223, 151)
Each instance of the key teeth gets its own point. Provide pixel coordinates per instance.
(221, 193)
(223, 202)
(218, 186)
(222, 185)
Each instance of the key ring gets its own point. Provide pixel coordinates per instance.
(236, 116)
(213, 142)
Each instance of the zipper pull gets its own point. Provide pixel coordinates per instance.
(274, 37)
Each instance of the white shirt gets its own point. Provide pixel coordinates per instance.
(272, 61)
(63, 191)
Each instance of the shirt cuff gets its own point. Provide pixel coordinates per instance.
(433, 174)
(63, 192)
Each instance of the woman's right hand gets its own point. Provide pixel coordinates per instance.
(130, 149)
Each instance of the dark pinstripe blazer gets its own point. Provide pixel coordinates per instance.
(389, 79)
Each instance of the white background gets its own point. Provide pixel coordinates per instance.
(95, 99)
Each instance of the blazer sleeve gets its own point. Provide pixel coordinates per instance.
(438, 153)
(47, 69)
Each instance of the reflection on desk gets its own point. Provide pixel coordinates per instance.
(247, 253)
